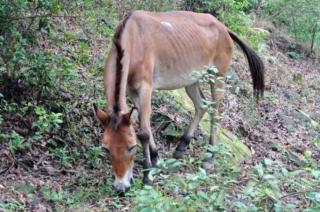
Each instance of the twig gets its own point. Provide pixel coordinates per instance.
(299, 192)
(13, 162)
(37, 16)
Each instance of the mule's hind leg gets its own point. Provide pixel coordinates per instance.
(195, 94)
(144, 134)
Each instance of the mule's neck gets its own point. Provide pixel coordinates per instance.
(117, 76)
(115, 81)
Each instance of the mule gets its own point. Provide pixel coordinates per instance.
(152, 51)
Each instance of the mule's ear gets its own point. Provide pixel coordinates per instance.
(101, 115)
(126, 117)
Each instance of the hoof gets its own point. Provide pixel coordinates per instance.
(178, 154)
(147, 180)
(154, 159)
(154, 162)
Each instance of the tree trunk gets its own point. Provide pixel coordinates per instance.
(313, 38)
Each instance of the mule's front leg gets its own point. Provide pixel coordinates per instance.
(145, 134)
(144, 137)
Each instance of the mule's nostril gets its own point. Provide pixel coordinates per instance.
(118, 192)
(118, 189)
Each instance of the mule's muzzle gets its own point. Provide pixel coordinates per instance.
(122, 186)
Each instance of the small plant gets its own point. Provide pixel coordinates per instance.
(93, 154)
(294, 55)
(66, 159)
(12, 206)
(16, 142)
(83, 52)
(47, 122)
(50, 195)
(206, 77)
(264, 189)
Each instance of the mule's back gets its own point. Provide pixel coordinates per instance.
(173, 44)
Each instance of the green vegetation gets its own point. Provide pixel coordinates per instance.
(262, 188)
(52, 54)
(301, 19)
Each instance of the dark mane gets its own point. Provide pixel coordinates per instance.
(119, 66)
(115, 118)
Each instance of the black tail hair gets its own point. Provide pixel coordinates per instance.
(255, 64)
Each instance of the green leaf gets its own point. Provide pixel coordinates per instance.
(268, 162)
(259, 169)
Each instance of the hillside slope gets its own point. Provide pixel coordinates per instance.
(50, 157)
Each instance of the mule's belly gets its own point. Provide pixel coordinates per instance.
(177, 60)
(175, 74)
(172, 79)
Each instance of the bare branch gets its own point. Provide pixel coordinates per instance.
(37, 16)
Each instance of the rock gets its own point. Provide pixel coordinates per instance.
(240, 152)
(287, 121)
(298, 78)
(297, 158)
(233, 76)
(305, 119)
(287, 95)
(54, 107)
(171, 131)
(181, 96)
(39, 208)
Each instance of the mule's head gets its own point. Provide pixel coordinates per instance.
(120, 139)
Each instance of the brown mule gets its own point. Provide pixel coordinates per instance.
(159, 51)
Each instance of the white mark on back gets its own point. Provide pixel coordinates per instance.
(168, 25)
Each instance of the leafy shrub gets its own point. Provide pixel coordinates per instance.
(302, 23)
(235, 15)
(16, 142)
(47, 122)
(266, 188)
(150, 5)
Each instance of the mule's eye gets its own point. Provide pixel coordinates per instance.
(107, 151)
(131, 148)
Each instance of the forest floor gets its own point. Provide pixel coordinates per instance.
(282, 133)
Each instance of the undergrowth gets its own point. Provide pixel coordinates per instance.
(51, 67)
(266, 186)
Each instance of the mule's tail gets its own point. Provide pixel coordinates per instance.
(255, 64)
